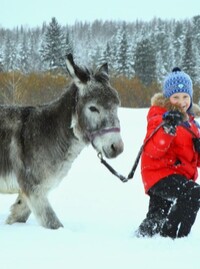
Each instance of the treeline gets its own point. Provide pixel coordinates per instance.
(40, 88)
(139, 55)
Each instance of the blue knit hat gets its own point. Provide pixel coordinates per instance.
(177, 81)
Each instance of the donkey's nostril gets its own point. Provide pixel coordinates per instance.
(113, 147)
(117, 147)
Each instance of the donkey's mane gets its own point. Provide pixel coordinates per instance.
(101, 77)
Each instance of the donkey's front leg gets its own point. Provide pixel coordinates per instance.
(19, 211)
(43, 211)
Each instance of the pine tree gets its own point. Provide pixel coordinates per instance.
(1, 62)
(35, 58)
(54, 45)
(68, 42)
(124, 62)
(10, 55)
(178, 43)
(188, 63)
(23, 57)
(145, 62)
(196, 47)
(105, 57)
(196, 31)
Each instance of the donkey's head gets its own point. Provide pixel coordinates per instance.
(95, 119)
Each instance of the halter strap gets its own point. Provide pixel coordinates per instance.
(101, 132)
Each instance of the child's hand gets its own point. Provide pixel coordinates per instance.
(172, 119)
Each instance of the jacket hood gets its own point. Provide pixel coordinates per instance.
(160, 100)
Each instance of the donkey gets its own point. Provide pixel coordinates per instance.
(39, 144)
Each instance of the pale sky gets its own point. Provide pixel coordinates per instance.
(34, 12)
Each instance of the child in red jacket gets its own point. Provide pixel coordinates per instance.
(170, 159)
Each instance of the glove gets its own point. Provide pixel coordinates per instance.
(172, 119)
(196, 143)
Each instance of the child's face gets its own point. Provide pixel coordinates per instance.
(181, 99)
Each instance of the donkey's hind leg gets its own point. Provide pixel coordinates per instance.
(43, 211)
(19, 211)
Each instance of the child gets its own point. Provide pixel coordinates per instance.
(170, 159)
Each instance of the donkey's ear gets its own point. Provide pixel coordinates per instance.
(78, 74)
(104, 68)
(102, 72)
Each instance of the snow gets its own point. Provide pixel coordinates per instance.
(100, 215)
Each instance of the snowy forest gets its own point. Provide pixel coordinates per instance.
(139, 54)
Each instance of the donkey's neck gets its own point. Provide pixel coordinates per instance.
(64, 111)
(64, 107)
(58, 136)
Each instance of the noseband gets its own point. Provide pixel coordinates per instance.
(91, 136)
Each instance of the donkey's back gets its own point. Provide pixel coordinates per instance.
(39, 144)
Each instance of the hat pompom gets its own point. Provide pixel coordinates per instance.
(176, 69)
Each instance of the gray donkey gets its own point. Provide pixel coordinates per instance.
(39, 144)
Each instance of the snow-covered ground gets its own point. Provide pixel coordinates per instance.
(100, 215)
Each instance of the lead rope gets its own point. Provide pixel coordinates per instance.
(132, 172)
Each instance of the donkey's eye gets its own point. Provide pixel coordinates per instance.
(93, 109)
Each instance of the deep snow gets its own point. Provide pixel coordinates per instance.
(100, 215)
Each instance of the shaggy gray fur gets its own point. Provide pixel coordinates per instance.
(39, 144)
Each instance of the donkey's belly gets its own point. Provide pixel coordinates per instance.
(9, 184)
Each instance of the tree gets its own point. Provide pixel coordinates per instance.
(23, 61)
(35, 58)
(196, 47)
(123, 61)
(178, 43)
(12, 87)
(188, 63)
(196, 31)
(145, 62)
(68, 42)
(54, 45)
(105, 57)
(10, 55)
(1, 62)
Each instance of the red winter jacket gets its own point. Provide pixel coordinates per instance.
(165, 154)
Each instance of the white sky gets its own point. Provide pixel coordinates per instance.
(34, 12)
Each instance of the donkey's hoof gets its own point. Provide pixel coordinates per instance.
(53, 226)
(11, 220)
(57, 227)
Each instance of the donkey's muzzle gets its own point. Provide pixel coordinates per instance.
(114, 150)
(117, 148)
(107, 141)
